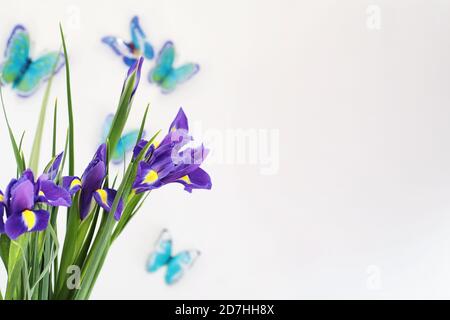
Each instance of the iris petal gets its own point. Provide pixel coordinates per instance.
(22, 196)
(105, 199)
(53, 166)
(198, 179)
(147, 178)
(180, 122)
(92, 180)
(71, 184)
(2, 212)
(54, 195)
(26, 221)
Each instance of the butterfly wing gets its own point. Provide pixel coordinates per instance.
(139, 39)
(126, 144)
(16, 55)
(39, 71)
(162, 252)
(121, 48)
(178, 265)
(107, 126)
(179, 75)
(163, 64)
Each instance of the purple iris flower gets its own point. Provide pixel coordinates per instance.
(168, 162)
(91, 180)
(20, 199)
(21, 217)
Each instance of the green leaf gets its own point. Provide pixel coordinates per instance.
(102, 242)
(36, 149)
(15, 264)
(55, 118)
(17, 155)
(69, 246)
(144, 119)
(4, 248)
(73, 217)
(122, 112)
(47, 263)
(69, 108)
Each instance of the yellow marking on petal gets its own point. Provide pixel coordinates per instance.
(2, 198)
(41, 193)
(185, 179)
(74, 183)
(103, 195)
(151, 177)
(29, 217)
(156, 144)
(173, 129)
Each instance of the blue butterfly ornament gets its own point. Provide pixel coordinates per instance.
(126, 142)
(165, 75)
(132, 50)
(176, 265)
(24, 74)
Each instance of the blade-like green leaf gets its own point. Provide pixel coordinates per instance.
(69, 108)
(55, 118)
(17, 155)
(36, 149)
(15, 264)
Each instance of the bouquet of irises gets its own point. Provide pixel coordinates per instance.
(97, 205)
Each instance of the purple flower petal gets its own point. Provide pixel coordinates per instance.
(105, 199)
(28, 175)
(197, 179)
(15, 226)
(26, 221)
(138, 147)
(22, 196)
(71, 184)
(7, 198)
(53, 166)
(180, 122)
(54, 195)
(89, 184)
(92, 180)
(147, 178)
(2, 212)
(42, 218)
(186, 162)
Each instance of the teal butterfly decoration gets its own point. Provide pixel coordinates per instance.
(24, 74)
(176, 265)
(165, 75)
(125, 144)
(130, 51)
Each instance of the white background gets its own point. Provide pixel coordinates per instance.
(360, 205)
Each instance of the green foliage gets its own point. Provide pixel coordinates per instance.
(35, 263)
